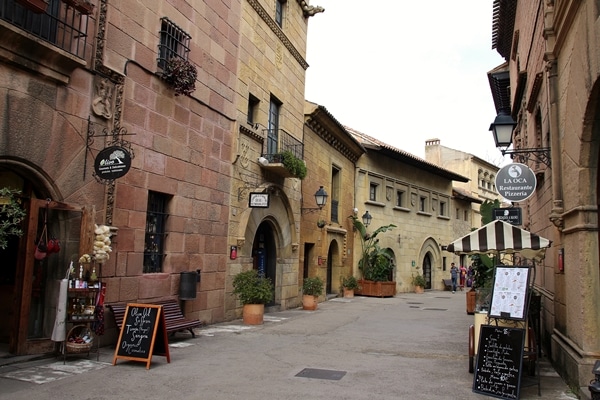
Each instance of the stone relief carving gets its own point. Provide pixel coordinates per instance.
(102, 103)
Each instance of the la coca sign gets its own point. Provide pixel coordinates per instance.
(515, 182)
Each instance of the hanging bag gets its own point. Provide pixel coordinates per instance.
(41, 247)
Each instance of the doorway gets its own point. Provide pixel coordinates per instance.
(427, 270)
(264, 254)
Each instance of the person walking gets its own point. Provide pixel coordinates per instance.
(454, 276)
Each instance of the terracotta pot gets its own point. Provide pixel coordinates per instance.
(471, 297)
(309, 302)
(348, 293)
(419, 289)
(253, 314)
(376, 289)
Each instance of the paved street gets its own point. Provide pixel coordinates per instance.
(408, 347)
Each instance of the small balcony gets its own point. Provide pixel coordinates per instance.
(278, 145)
(52, 43)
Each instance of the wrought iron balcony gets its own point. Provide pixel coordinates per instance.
(276, 144)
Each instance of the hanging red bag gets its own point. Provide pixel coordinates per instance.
(53, 246)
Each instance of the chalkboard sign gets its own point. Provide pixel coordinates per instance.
(499, 361)
(142, 325)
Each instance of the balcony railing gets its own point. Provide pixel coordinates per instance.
(278, 141)
(60, 25)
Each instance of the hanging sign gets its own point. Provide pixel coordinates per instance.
(258, 200)
(143, 334)
(515, 182)
(511, 215)
(112, 163)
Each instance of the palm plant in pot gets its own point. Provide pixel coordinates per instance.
(253, 291)
(312, 288)
(349, 285)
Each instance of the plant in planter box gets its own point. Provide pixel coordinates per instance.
(312, 288)
(181, 75)
(294, 165)
(11, 215)
(375, 263)
(253, 291)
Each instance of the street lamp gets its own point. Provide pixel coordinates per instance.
(320, 199)
(366, 218)
(502, 128)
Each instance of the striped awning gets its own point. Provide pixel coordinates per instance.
(502, 237)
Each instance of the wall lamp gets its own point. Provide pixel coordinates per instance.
(502, 128)
(366, 218)
(320, 199)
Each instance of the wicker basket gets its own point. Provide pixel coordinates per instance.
(80, 331)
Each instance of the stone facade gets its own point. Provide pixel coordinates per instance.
(551, 50)
(401, 189)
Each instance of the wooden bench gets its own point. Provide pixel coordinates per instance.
(174, 318)
(447, 284)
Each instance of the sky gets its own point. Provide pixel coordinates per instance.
(406, 71)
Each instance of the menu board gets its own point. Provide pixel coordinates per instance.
(142, 325)
(499, 361)
(509, 295)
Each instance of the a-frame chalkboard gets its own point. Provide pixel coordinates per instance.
(499, 362)
(143, 334)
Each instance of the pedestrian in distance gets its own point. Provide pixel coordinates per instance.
(462, 277)
(454, 276)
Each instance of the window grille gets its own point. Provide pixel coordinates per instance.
(156, 218)
(174, 42)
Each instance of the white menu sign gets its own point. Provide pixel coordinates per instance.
(509, 296)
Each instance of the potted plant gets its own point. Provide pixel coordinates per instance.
(376, 264)
(253, 291)
(312, 288)
(11, 215)
(349, 285)
(294, 165)
(418, 282)
(181, 75)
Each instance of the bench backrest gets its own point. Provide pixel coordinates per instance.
(171, 310)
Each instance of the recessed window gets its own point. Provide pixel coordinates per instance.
(457, 214)
(279, 7)
(466, 214)
(252, 109)
(442, 208)
(156, 218)
(174, 42)
(422, 203)
(373, 192)
(400, 198)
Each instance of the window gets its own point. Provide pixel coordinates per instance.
(273, 134)
(156, 217)
(373, 192)
(466, 215)
(279, 4)
(252, 109)
(335, 193)
(174, 42)
(400, 198)
(457, 214)
(442, 208)
(422, 203)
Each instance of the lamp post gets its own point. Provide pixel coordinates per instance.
(366, 218)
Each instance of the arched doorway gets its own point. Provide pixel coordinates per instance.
(333, 265)
(264, 253)
(427, 270)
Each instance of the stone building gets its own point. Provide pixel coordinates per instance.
(74, 83)
(549, 86)
(398, 188)
(326, 233)
(269, 127)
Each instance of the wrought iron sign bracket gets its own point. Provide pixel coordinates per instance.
(524, 155)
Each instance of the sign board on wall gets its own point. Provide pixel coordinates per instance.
(258, 200)
(515, 182)
(511, 215)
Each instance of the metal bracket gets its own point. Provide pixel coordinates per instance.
(523, 155)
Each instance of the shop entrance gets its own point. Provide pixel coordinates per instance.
(29, 286)
(264, 253)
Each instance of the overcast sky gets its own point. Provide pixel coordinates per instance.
(406, 71)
